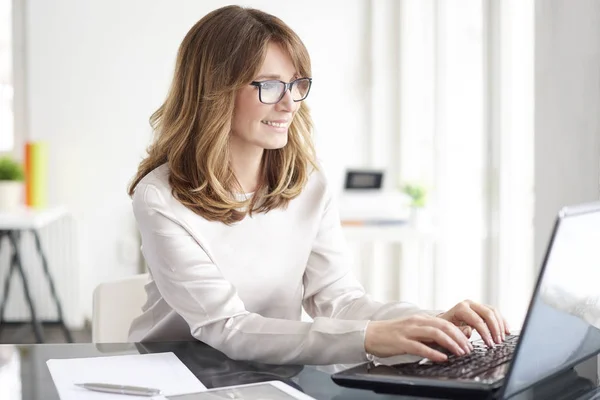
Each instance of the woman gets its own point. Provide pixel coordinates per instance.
(238, 225)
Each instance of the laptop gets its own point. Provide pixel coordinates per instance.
(561, 328)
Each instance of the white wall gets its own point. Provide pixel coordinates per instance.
(567, 115)
(97, 70)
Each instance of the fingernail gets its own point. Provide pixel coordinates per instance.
(467, 349)
(499, 339)
(461, 351)
(471, 346)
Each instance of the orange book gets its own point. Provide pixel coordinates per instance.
(36, 162)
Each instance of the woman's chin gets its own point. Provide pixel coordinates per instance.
(275, 144)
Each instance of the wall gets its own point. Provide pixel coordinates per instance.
(97, 70)
(567, 121)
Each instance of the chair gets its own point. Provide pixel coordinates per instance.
(115, 305)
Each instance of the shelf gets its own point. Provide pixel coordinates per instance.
(30, 218)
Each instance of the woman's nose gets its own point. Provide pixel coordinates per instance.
(286, 103)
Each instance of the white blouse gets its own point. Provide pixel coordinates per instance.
(241, 288)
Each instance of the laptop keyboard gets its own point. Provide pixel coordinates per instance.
(481, 359)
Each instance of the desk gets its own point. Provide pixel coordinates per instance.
(12, 226)
(212, 368)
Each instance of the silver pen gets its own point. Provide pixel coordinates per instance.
(120, 389)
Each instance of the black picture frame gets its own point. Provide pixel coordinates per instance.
(363, 180)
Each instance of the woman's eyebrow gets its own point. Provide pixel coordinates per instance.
(273, 76)
(267, 76)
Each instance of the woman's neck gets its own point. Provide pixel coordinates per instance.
(246, 168)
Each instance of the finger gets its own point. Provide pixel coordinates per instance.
(489, 316)
(466, 330)
(419, 349)
(430, 333)
(454, 332)
(500, 323)
(473, 319)
(506, 327)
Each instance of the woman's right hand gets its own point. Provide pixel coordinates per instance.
(409, 335)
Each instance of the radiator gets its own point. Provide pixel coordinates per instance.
(59, 241)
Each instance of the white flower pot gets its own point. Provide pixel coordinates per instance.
(420, 218)
(11, 195)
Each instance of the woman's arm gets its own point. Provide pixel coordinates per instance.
(194, 287)
(330, 288)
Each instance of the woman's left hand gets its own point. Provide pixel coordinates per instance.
(488, 321)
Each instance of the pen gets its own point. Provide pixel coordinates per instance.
(120, 389)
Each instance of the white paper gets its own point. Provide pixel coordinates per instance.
(162, 371)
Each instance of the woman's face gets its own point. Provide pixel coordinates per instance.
(257, 126)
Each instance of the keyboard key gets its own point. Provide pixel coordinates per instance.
(481, 359)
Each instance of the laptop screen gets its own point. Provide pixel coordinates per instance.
(562, 327)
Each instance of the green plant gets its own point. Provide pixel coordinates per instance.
(417, 193)
(10, 170)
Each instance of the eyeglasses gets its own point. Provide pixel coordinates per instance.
(271, 92)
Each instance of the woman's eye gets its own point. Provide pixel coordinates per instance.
(269, 85)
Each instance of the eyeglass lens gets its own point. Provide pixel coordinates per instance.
(273, 91)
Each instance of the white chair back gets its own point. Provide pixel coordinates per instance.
(115, 305)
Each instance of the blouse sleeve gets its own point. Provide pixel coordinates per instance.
(331, 289)
(194, 287)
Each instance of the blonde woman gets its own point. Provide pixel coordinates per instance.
(239, 229)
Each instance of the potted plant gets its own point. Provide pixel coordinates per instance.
(418, 195)
(11, 184)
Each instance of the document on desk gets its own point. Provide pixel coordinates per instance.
(162, 371)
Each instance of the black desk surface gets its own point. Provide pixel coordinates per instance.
(215, 370)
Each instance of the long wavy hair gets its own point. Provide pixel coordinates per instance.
(221, 54)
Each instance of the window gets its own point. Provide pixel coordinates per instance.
(466, 131)
(6, 77)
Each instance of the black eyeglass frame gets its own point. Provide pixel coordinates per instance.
(287, 86)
